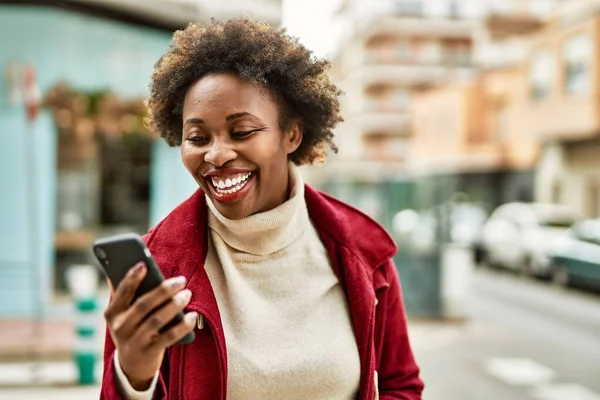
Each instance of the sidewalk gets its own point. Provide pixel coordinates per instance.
(40, 355)
(37, 358)
(24, 340)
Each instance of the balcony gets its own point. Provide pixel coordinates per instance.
(392, 124)
(400, 56)
(384, 148)
(506, 24)
(409, 25)
(414, 76)
(390, 101)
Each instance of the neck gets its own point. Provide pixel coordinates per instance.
(269, 231)
(283, 196)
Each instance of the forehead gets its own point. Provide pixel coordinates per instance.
(227, 93)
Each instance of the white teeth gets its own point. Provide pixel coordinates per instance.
(232, 184)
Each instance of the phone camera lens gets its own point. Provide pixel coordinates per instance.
(100, 253)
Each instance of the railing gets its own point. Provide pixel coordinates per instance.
(396, 103)
(453, 59)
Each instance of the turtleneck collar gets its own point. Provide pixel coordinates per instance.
(269, 231)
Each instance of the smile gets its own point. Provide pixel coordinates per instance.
(230, 188)
(230, 184)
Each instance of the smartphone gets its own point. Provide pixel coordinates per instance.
(118, 254)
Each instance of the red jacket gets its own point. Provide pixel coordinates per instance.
(361, 254)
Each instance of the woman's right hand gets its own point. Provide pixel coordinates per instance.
(134, 327)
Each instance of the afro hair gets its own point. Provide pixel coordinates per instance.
(257, 53)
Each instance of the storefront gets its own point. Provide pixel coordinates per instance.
(65, 179)
(569, 173)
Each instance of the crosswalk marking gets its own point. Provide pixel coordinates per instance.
(563, 391)
(519, 371)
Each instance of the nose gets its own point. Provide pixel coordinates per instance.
(220, 154)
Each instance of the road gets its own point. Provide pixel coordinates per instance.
(525, 340)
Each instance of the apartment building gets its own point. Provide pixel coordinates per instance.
(476, 137)
(563, 107)
(391, 50)
(468, 139)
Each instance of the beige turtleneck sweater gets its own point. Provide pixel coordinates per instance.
(285, 316)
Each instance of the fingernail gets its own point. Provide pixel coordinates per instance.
(191, 318)
(178, 282)
(183, 297)
(138, 268)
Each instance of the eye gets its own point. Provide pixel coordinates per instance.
(240, 135)
(198, 140)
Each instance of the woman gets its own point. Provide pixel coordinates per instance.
(291, 293)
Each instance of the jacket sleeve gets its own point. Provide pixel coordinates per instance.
(398, 373)
(110, 380)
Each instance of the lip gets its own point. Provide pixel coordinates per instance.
(226, 172)
(231, 197)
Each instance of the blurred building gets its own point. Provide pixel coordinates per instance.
(563, 106)
(436, 98)
(395, 49)
(85, 165)
(469, 137)
(390, 52)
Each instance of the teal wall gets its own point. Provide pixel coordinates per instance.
(171, 182)
(88, 53)
(23, 281)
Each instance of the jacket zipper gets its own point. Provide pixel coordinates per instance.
(203, 319)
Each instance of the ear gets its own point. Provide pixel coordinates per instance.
(293, 137)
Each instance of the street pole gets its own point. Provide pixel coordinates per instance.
(32, 106)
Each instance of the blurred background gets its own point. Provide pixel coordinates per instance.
(471, 132)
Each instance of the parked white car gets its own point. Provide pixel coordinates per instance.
(522, 236)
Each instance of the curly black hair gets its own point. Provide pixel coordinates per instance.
(257, 53)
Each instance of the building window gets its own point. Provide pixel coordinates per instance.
(502, 123)
(504, 7)
(576, 54)
(453, 9)
(541, 74)
(541, 8)
(409, 7)
(405, 51)
(430, 52)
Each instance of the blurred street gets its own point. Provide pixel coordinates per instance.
(526, 340)
(471, 132)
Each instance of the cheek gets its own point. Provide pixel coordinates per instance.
(191, 158)
(271, 152)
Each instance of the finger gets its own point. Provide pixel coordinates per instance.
(176, 333)
(150, 327)
(154, 299)
(110, 287)
(125, 291)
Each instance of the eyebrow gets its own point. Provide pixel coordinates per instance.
(230, 117)
(193, 121)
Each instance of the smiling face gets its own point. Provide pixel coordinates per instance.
(233, 145)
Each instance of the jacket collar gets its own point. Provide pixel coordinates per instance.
(185, 229)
